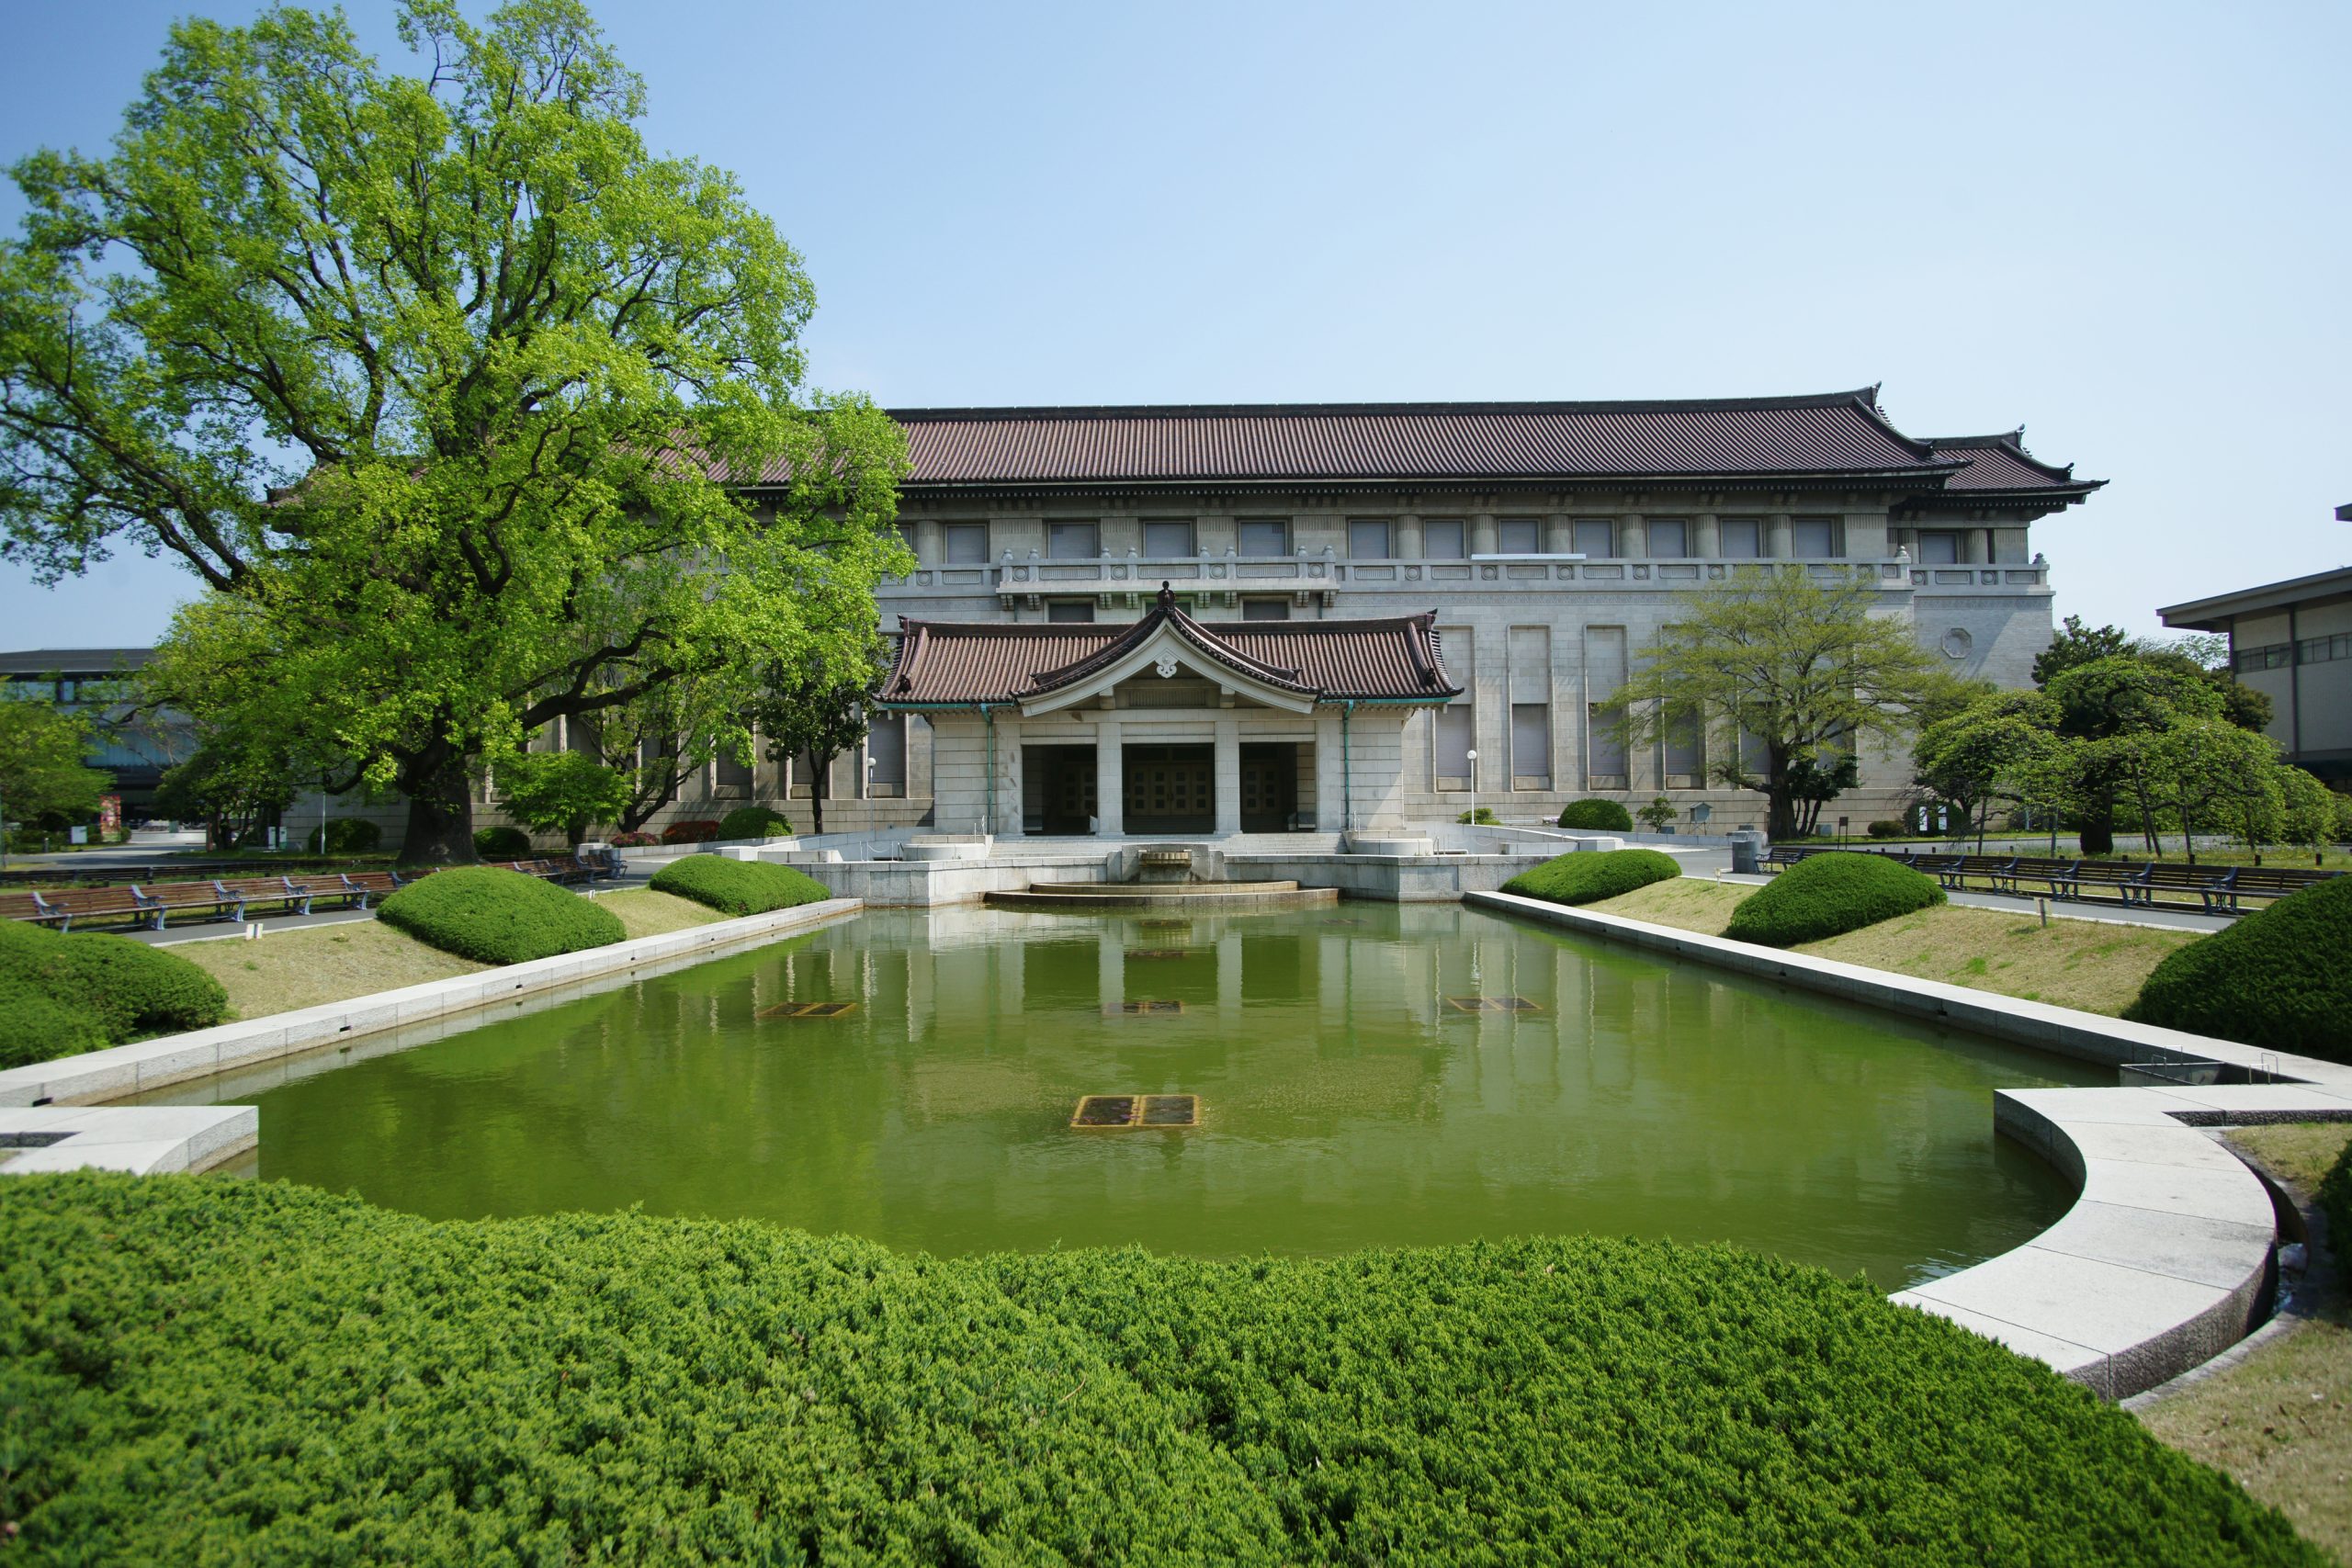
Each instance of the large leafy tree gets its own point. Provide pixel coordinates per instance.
(1999, 747)
(814, 709)
(1803, 667)
(41, 771)
(481, 414)
(2112, 713)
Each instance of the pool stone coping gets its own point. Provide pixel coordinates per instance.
(2167, 1258)
(51, 1114)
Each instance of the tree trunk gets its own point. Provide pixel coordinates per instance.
(440, 809)
(2098, 829)
(819, 770)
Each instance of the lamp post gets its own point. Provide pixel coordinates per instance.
(1473, 755)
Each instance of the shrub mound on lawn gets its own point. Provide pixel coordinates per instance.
(1829, 894)
(632, 1388)
(62, 994)
(1582, 878)
(1596, 816)
(737, 886)
(754, 822)
(498, 917)
(348, 836)
(501, 844)
(2278, 978)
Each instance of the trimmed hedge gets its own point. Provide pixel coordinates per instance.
(2335, 1203)
(63, 994)
(348, 836)
(501, 844)
(1602, 816)
(498, 917)
(737, 886)
(1582, 878)
(2277, 979)
(694, 830)
(248, 1371)
(754, 822)
(1829, 894)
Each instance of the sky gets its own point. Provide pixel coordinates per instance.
(2125, 227)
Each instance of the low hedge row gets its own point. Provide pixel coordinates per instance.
(1829, 894)
(754, 822)
(1582, 878)
(501, 844)
(208, 1370)
(498, 917)
(63, 994)
(737, 886)
(1596, 816)
(2278, 979)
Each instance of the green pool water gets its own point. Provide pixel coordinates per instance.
(1346, 1099)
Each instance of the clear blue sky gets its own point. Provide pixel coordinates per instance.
(2124, 226)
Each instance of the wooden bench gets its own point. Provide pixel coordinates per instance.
(558, 871)
(203, 898)
(2269, 881)
(87, 904)
(30, 906)
(268, 892)
(367, 884)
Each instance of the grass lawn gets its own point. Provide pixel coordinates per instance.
(2281, 1421)
(2093, 965)
(647, 913)
(306, 967)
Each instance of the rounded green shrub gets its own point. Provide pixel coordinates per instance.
(501, 844)
(62, 994)
(1829, 894)
(2277, 979)
(1886, 828)
(348, 836)
(1596, 816)
(1584, 878)
(498, 917)
(629, 1387)
(2335, 1203)
(754, 822)
(737, 886)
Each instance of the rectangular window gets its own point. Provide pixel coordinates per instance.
(1596, 537)
(1265, 609)
(1530, 746)
(886, 752)
(1520, 536)
(1604, 751)
(1442, 539)
(2274, 656)
(1454, 733)
(907, 536)
(1367, 539)
(1814, 538)
(734, 774)
(1670, 538)
(1743, 538)
(1755, 756)
(1686, 751)
(1070, 610)
(1938, 549)
(964, 544)
(1264, 535)
(1167, 538)
(1069, 541)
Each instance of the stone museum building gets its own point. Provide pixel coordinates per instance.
(1267, 618)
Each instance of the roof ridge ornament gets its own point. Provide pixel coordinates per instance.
(1167, 600)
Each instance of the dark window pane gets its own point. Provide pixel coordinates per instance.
(1742, 539)
(1520, 536)
(1264, 536)
(1441, 540)
(1265, 609)
(1596, 537)
(1070, 610)
(965, 544)
(1069, 541)
(1163, 537)
(1368, 540)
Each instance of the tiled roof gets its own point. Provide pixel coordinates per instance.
(1831, 434)
(2001, 462)
(959, 662)
(74, 660)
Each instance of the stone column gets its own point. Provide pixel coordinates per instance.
(1976, 546)
(1408, 534)
(1780, 541)
(1708, 544)
(1482, 533)
(1330, 804)
(1559, 535)
(1632, 537)
(1110, 782)
(1227, 775)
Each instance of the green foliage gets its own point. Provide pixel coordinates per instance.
(560, 792)
(1482, 816)
(2276, 978)
(1583, 878)
(234, 784)
(2335, 1203)
(346, 836)
(814, 709)
(1828, 895)
(501, 844)
(690, 830)
(737, 886)
(60, 994)
(1597, 814)
(1804, 667)
(441, 382)
(253, 1372)
(1885, 827)
(499, 917)
(1659, 815)
(2000, 746)
(42, 747)
(755, 822)
(2078, 644)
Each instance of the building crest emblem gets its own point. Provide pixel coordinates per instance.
(1165, 668)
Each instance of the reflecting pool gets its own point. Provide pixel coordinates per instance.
(1370, 1074)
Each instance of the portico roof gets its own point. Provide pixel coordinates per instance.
(1295, 663)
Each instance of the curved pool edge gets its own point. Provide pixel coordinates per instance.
(95, 1076)
(2166, 1257)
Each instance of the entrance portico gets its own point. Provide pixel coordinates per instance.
(1167, 724)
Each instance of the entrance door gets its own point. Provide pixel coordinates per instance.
(1269, 787)
(1064, 802)
(1170, 789)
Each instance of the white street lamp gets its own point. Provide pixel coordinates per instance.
(1474, 785)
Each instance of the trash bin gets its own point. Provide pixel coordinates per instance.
(1747, 852)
